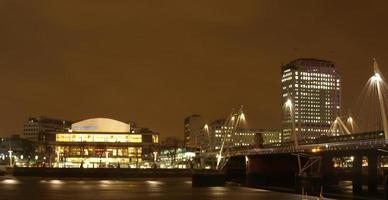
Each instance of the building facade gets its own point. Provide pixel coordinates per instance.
(193, 125)
(270, 137)
(37, 129)
(311, 98)
(102, 142)
(241, 137)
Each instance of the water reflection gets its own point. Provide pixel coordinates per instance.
(148, 189)
(10, 181)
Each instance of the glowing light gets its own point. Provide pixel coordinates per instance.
(288, 103)
(242, 116)
(56, 182)
(376, 78)
(154, 183)
(206, 127)
(315, 150)
(107, 182)
(232, 118)
(350, 120)
(10, 181)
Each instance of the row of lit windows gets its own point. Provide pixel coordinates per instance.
(74, 137)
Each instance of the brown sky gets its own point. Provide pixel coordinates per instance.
(155, 62)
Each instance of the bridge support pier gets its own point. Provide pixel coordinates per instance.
(357, 174)
(372, 172)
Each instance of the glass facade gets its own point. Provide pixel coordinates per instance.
(106, 147)
(98, 137)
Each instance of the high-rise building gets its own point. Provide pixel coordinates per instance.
(193, 125)
(311, 93)
(38, 129)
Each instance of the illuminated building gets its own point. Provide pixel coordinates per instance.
(193, 125)
(271, 137)
(102, 142)
(240, 137)
(312, 87)
(37, 129)
(218, 133)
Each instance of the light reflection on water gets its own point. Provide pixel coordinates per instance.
(163, 189)
(10, 181)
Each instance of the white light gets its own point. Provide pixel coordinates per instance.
(10, 181)
(288, 103)
(56, 182)
(376, 78)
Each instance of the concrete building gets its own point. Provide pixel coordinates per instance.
(37, 129)
(193, 125)
(311, 91)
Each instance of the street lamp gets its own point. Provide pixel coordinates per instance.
(10, 158)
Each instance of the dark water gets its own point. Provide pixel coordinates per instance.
(168, 189)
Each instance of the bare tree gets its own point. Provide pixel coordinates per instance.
(171, 145)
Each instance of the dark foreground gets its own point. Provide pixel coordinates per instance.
(29, 188)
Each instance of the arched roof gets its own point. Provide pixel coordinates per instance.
(100, 125)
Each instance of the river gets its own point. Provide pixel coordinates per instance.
(93, 189)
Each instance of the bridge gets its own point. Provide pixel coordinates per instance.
(358, 157)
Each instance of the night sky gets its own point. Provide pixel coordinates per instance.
(156, 62)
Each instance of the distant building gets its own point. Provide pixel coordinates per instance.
(244, 137)
(193, 125)
(37, 129)
(271, 137)
(315, 91)
(102, 142)
(219, 133)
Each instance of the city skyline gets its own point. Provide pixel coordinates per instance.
(215, 58)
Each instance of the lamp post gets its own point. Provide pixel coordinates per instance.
(10, 158)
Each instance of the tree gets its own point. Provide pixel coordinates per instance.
(171, 146)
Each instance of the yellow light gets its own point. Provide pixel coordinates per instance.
(315, 150)
(206, 127)
(242, 116)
